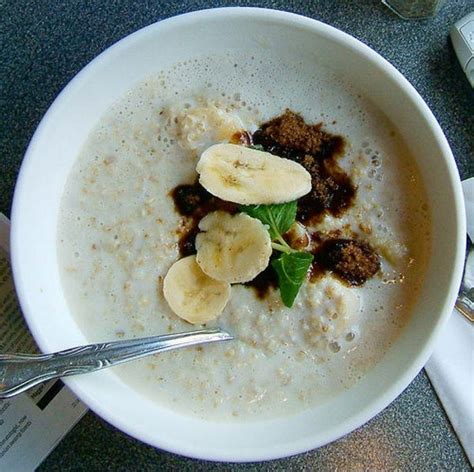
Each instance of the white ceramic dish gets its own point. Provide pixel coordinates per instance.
(57, 142)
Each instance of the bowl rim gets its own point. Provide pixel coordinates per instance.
(290, 20)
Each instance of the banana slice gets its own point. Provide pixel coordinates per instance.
(232, 248)
(191, 294)
(243, 175)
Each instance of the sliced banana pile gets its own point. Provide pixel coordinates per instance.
(250, 177)
(232, 248)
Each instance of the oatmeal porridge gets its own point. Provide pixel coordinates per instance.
(129, 212)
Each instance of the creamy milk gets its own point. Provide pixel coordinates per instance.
(118, 234)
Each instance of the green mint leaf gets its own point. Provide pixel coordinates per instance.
(279, 217)
(257, 147)
(291, 270)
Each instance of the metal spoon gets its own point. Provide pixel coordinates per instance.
(465, 300)
(19, 372)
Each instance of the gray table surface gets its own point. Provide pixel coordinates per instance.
(43, 44)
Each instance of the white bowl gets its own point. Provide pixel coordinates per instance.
(57, 142)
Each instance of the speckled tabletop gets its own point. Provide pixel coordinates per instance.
(44, 44)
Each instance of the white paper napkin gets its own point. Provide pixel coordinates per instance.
(451, 367)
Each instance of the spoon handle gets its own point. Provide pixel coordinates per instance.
(19, 372)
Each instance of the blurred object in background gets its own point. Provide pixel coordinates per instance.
(462, 37)
(414, 9)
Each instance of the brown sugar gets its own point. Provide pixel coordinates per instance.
(352, 261)
(190, 198)
(289, 130)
